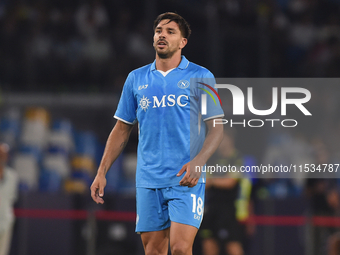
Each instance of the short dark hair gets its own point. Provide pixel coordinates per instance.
(183, 25)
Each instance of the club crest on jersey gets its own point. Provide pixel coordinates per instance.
(183, 84)
(144, 103)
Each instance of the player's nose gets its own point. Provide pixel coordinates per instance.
(162, 34)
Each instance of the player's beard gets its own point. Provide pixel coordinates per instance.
(165, 54)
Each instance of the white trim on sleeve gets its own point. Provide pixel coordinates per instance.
(125, 121)
(214, 117)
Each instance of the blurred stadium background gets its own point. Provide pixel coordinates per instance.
(62, 68)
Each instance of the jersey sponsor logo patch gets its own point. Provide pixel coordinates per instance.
(144, 103)
(163, 101)
(183, 84)
(170, 100)
(143, 86)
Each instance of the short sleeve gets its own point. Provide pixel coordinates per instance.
(127, 106)
(207, 88)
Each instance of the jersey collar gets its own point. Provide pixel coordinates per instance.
(183, 65)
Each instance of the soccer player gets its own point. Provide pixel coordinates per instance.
(172, 140)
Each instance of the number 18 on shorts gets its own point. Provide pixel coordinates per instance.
(156, 208)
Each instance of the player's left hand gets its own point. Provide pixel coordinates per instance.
(191, 176)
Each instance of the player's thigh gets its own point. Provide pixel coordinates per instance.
(186, 205)
(156, 242)
(152, 210)
(182, 238)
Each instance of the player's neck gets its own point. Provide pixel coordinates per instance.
(168, 63)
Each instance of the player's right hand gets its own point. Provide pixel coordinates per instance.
(97, 189)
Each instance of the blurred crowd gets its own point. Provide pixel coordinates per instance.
(90, 46)
(56, 154)
(293, 38)
(82, 46)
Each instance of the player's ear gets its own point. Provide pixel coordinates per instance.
(184, 42)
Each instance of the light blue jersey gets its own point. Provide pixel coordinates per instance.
(167, 109)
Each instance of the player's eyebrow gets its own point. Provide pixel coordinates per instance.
(168, 28)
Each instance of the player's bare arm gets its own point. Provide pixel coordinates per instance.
(115, 144)
(211, 143)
